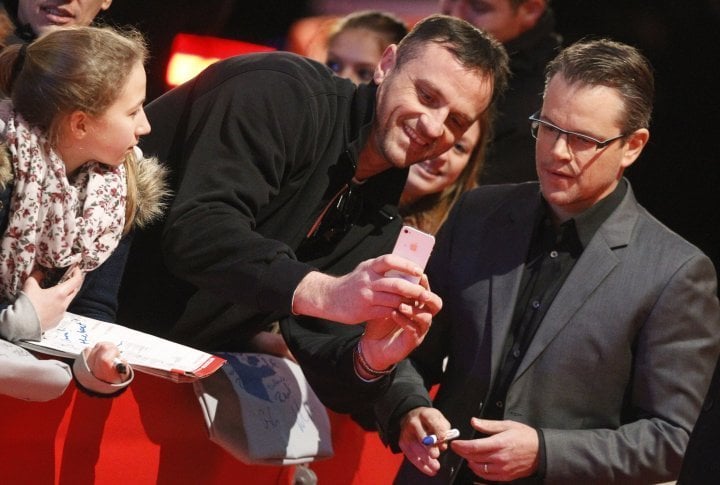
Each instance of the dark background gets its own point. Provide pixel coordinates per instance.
(677, 176)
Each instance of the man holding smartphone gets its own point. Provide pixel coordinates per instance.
(288, 180)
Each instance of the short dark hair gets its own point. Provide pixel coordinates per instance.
(604, 62)
(472, 47)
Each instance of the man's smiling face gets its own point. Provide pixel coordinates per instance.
(425, 105)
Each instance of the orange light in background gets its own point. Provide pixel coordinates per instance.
(191, 53)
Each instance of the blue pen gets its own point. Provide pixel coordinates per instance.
(432, 439)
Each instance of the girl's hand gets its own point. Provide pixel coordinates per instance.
(102, 363)
(51, 303)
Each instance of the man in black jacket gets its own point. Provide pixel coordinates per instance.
(527, 30)
(288, 180)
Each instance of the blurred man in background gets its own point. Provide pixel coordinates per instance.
(527, 30)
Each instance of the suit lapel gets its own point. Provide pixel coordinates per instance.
(513, 232)
(597, 261)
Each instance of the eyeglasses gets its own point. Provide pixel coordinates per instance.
(334, 221)
(577, 142)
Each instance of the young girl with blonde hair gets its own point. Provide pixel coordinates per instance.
(72, 185)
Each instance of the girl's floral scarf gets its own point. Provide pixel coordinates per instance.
(55, 222)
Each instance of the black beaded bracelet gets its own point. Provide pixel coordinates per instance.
(366, 367)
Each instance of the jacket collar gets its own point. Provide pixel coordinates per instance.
(596, 262)
(6, 172)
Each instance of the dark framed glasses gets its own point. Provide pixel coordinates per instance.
(577, 142)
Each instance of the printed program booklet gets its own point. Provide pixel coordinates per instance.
(146, 353)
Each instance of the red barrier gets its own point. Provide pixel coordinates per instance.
(155, 434)
(360, 457)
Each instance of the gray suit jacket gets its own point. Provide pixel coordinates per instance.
(618, 368)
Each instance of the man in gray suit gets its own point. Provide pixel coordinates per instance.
(580, 333)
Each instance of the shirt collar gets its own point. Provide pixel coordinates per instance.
(589, 221)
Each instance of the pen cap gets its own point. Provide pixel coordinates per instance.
(429, 440)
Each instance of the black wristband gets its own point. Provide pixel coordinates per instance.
(366, 367)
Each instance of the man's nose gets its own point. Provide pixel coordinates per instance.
(433, 123)
(561, 147)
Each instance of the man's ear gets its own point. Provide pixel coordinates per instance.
(529, 13)
(635, 143)
(386, 64)
(105, 5)
(77, 124)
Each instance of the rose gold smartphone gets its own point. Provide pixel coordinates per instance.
(414, 245)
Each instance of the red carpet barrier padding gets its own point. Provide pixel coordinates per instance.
(155, 434)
